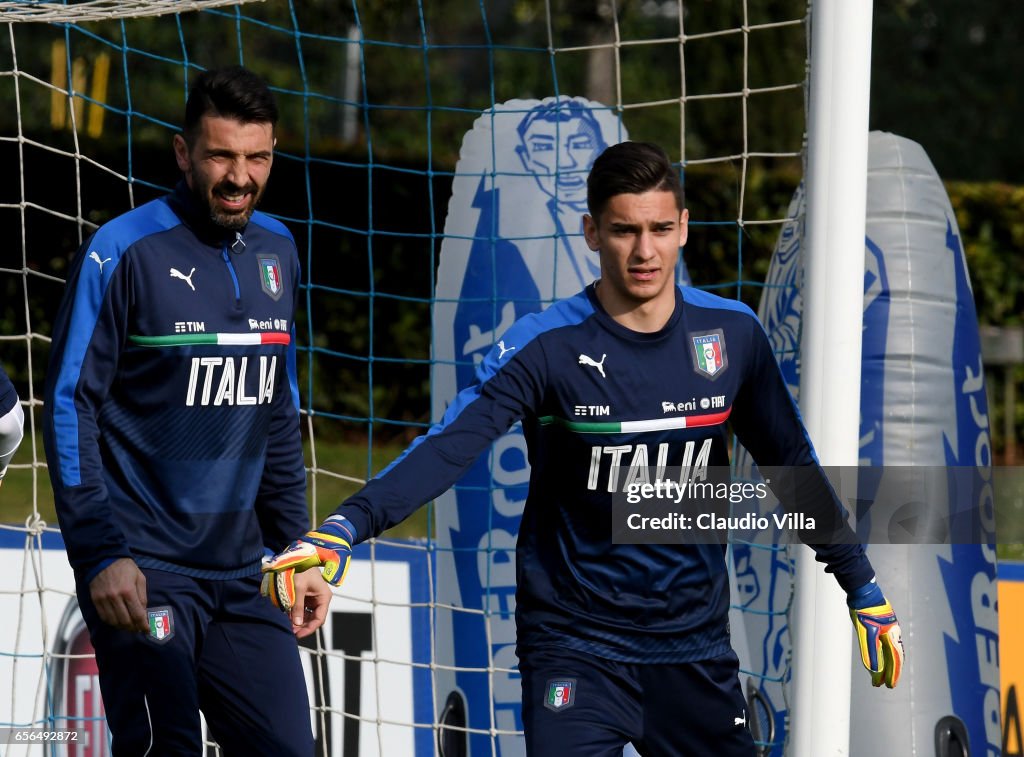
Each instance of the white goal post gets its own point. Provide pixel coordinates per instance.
(837, 164)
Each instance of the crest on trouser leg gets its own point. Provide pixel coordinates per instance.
(561, 694)
(161, 624)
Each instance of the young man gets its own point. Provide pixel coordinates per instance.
(172, 436)
(618, 642)
(12, 422)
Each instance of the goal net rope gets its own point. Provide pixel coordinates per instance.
(376, 100)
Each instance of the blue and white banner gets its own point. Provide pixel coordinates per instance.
(367, 671)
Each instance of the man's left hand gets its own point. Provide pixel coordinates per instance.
(878, 634)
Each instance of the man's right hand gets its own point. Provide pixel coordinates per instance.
(119, 594)
(329, 547)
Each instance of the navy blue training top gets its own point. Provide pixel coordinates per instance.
(599, 402)
(171, 419)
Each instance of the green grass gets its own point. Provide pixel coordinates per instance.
(17, 492)
(355, 461)
(1010, 551)
(21, 486)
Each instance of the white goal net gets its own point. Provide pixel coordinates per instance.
(376, 99)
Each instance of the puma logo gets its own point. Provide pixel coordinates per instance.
(504, 349)
(176, 274)
(587, 360)
(96, 256)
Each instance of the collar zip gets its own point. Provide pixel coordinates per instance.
(238, 246)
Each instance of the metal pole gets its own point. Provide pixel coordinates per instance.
(837, 156)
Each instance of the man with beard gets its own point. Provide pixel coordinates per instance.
(172, 435)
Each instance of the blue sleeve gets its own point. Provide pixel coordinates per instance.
(768, 424)
(12, 420)
(8, 397)
(502, 394)
(88, 337)
(281, 499)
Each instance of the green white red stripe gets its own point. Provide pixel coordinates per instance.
(183, 340)
(632, 427)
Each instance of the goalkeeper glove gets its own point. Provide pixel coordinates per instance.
(329, 547)
(878, 634)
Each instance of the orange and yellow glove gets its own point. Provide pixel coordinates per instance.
(878, 634)
(328, 547)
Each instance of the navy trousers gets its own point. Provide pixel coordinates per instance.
(579, 705)
(217, 646)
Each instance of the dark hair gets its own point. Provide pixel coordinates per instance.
(631, 168)
(231, 92)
